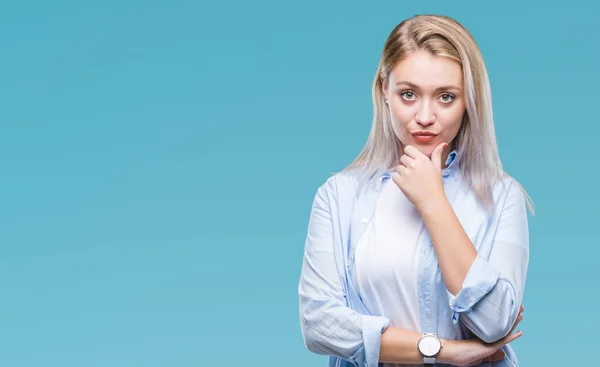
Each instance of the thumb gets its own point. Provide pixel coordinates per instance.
(436, 156)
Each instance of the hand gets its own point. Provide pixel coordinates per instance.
(472, 352)
(420, 178)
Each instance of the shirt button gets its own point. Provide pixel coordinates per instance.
(364, 220)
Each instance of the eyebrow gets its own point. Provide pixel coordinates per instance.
(445, 87)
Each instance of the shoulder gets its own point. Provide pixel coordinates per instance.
(503, 190)
(342, 188)
(344, 182)
(505, 184)
(509, 191)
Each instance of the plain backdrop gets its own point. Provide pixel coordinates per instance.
(158, 161)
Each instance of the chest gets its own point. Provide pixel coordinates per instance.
(386, 213)
(388, 247)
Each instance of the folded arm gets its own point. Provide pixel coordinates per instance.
(485, 294)
(328, 325)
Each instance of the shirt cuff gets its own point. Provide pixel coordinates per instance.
(372, 328)
(480, 280)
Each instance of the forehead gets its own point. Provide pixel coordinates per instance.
(427, 71)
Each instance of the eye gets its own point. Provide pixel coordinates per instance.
(447, 98)
(408, 95)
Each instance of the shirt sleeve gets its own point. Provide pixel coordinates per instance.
(328, 325)
(492, 292)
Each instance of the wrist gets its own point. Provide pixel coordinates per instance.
(446, 355)
(433, 205)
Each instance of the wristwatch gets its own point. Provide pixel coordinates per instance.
(429, 345)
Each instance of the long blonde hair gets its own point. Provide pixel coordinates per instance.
(475, 142)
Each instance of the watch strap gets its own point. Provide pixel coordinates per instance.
(428, 361)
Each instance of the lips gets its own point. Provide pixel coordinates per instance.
(423, 133)
(424, 137)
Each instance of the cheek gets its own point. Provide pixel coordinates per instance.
(401, 117)
(452, 121)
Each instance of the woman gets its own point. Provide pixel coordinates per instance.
(417, 252)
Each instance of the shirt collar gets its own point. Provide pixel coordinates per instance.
(450, 161)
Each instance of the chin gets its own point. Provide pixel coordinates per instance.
(425, 150)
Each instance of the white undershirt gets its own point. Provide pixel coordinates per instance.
(386, 259)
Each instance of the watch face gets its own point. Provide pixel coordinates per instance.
(429, 345)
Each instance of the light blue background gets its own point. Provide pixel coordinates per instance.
(158, 161)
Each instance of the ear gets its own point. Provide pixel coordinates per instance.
(383, 86)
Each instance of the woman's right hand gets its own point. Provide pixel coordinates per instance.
(472, 352)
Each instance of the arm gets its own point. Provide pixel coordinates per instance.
(330, 327)
(487, 294)
(400, 346)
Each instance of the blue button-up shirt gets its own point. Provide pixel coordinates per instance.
(334, 319)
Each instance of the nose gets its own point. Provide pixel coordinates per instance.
(425, 115)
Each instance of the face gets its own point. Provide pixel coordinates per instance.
(425, 95)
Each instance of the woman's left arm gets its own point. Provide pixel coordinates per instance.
(485, 293)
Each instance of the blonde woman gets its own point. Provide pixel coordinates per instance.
(417, 252)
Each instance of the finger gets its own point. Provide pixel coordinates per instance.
(517, 321)
(406, 160)
(522, 309)
(401, 169)
(436, 155)
(512, 337)
(412, 152)
(508, 339)
(399, 177)
(397, 180)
